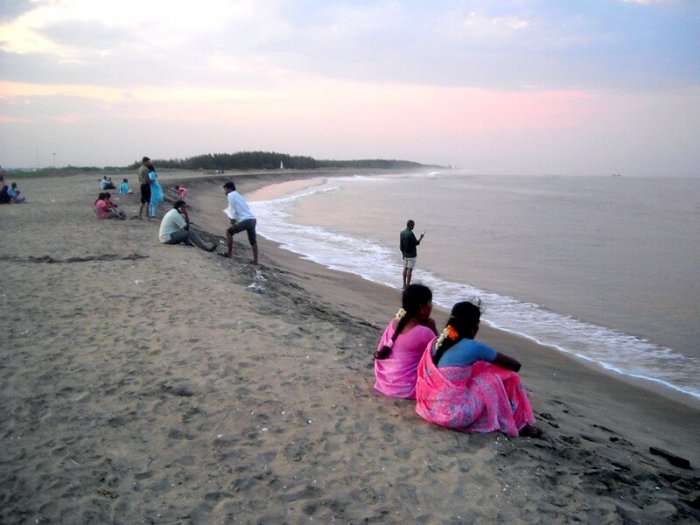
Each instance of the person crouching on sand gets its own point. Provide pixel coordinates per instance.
(401, 346)
(242, 219)
(465, 385)
(175, 229)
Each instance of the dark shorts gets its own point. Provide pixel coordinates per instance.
(145, 193)
(248, 225)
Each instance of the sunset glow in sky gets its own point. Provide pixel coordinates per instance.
(511, 86)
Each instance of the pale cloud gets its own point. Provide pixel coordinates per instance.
(146, 93)
(645, 2)
(477, 25)
(431, 81)
(63, 28)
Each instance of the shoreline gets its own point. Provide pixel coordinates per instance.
(252, 184)
(144, 382)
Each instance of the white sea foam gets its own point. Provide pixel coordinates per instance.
(613, 350)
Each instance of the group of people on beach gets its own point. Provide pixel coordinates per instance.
(457, 381)
(10, 194)
(175, 226)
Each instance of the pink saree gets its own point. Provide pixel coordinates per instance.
(479, 398)
(396, 375)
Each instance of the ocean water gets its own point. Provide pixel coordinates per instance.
(605, 268)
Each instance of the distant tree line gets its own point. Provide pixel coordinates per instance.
(369, 163)
(266, 160)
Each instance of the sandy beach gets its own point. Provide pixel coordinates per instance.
(146, 383)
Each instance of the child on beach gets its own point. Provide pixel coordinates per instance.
(106, 209)
(15, 194)
(114, 208)
(124, 187)
(401, 346)
(181, 192)
(465, 385)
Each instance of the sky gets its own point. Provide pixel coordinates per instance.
(583, 87)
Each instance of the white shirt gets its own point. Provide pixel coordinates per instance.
(172, 222)
(237, 207)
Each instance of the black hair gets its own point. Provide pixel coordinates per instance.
(145, 159)
(125, 180)
(230, 185)
(413, 297)
(99, 198)
(464, 319)
(179, 204)
(410, 222)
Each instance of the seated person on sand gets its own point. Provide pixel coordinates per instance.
(465, 385)
(113, 207)
(106, 209)
(15, 194)
(5, 195)
(175, 229)
(402, 345)
(106, 183)
(124, 187)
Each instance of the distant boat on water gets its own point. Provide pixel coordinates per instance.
(616, 175)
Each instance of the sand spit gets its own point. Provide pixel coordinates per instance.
(144, 383)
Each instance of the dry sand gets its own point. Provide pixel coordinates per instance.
(144, 383)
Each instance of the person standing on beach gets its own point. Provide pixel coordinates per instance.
(241, 219)
(408, 244)
(145, 184)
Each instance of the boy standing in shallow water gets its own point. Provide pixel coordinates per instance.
(241, 219)
(408, 244)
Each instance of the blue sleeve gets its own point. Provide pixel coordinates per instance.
(484, 353)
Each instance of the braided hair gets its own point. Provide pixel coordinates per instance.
(463, 322)
(413, 298)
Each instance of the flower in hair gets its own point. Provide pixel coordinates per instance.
(452, 333)
(449, 332)
(400, 314)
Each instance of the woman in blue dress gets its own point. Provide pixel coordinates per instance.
(157, 196)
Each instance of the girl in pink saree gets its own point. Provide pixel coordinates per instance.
(403, 342)
(467, 386)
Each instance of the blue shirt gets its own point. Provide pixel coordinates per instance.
(467, 352)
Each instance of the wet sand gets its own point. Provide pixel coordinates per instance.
(144, 383)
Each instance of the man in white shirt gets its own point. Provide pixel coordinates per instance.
(241, 219)
(175, 229)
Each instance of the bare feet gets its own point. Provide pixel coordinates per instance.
(531, 431)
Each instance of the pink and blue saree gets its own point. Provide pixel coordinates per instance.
(479, 398)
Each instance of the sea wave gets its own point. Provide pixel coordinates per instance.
(611, 349)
